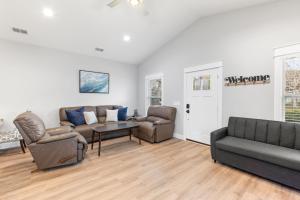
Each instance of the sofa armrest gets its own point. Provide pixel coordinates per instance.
(162, 122)
(140, 119)
(55, 138)
(59, 130)
(215, 136)
(67, 123)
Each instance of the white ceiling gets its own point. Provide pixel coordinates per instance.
(81, 25)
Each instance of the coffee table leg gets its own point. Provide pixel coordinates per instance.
(99, 149)
(93, 136)
(130, 133)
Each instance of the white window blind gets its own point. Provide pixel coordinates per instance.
(292, 89)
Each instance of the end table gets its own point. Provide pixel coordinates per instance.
(12, 136)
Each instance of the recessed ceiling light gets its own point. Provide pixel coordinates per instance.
(48, 12)
(135, 2)
(126, 38)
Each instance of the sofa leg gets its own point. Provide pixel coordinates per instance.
(215, 161)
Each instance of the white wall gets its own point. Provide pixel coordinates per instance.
(43, 80)
(244, 41)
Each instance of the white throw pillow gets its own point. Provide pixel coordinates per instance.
(90, 117)
(111, 115)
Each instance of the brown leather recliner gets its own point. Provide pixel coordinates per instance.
(159, 124)
(50, 147)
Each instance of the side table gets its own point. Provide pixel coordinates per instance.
(12, 136)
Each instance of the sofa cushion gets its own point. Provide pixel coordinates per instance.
(297, 142)
(101, 110)
(101, 120)
(250, 129)
(76, 117)
(146, 128)
(278, 155)
(287, 136)
(274, 133)
(231, 126)
(165, 112)
(154, 119)
(240, 126)
(261, 130)
(86, 130)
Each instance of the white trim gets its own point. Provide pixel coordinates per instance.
(147, 79)
(216, 65)
(204, 67)
(286, 50)
(179, 136)
(278, 89)
(279, 56)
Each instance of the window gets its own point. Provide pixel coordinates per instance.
(154, 92)
(291, 89)
(287, 84)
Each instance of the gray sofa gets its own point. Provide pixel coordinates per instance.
(50, 147)
(269, 149)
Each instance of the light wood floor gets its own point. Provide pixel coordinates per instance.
(170, 170)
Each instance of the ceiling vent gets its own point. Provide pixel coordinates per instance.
(19, 30)
(99, 49)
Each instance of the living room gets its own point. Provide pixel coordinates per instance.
(200, 82)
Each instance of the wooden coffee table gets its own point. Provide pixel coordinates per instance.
(108, 128)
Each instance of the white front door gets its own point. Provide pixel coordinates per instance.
(203, 103)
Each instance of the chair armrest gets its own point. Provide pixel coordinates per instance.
(59, 130)
(140, 119)
(162, 122)
(55, 138)
(66, 123)
(215, 136)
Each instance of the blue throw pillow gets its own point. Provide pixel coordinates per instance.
(76, 117)
(122, 114)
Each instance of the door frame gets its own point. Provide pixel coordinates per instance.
(279, 54)
(216, 65)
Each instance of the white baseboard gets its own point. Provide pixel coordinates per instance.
(179, 136)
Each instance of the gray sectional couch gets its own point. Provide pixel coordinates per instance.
(269, 149)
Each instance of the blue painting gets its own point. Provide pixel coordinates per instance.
(93, 82)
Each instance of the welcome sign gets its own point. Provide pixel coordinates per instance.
(247, 80)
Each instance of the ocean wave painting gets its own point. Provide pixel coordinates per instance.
(93, 82)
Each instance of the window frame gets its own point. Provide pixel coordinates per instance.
(280, 54)
(148, 78)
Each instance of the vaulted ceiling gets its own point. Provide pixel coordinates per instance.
(80, 26)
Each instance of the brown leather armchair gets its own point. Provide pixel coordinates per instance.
(50, 147)
(159, 124)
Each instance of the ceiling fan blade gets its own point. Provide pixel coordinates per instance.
(114, 3)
